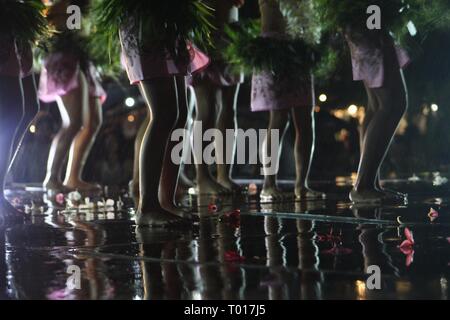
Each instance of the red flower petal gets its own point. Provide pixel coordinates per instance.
(212, 208)
(233, 256)
(233, 214)
(338, 251)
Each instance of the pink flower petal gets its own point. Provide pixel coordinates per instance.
(409, 259)
(409, 235)
(406, 247)
(252, 189)
(433, 214)
(62, 294)
(15, 202)
(60, 198)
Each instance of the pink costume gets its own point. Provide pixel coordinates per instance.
(271, 91)
(15, 61)
(219, 73)
(60, 75)
(148, 63)
(276, 92)
(368, 58)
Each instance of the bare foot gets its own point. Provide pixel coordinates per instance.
(306, 193)
(230, 185)
(390, 193)
(157, 217)
(9, 214)
(82, 186)
(393, 194)
(179, 212)
(54, 187)
(366, 196)
(210, 187)
(271, 193)
(182, 189)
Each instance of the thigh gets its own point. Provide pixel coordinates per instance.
(302, 116)
(229, 97)
(74, 106)
(372, 100)
(393, 92)
(182, 97)
(391, 97)
(279, 119)
(161, 96)
(206, 98)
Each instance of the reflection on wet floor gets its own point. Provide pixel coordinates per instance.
(290, 250)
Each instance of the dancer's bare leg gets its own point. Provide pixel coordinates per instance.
(372, 107)
(134, 184)
(11, 112)
(184, 182)
(84, 140)
(226, 119)
(160, 95)
(278, 121)
(71, 116)
(206, 104)
(31, 109)
(392, 102)
(171, 170)
(303, 119)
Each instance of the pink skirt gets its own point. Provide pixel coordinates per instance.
(368, 60)
(60, 75)
(157, 63)
(270, 93)
(219, 73)
(15, 61)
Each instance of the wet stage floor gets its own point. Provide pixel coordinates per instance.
(290, 250)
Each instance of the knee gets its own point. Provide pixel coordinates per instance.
(204, 113)
(95, 123)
